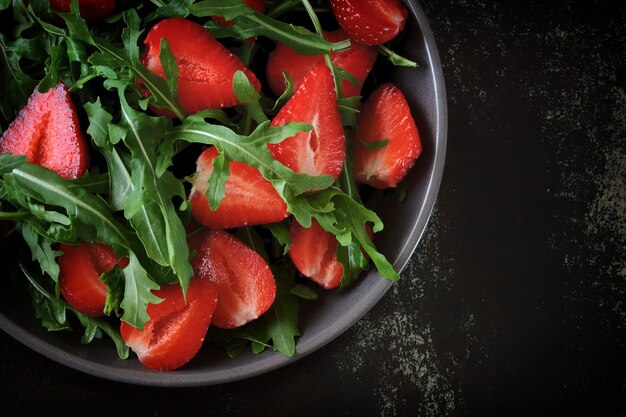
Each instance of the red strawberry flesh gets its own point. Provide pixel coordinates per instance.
(320, 151)
(244, 281)
(370, 22)
(249, 199)
(47, 131)
(205, 67)
(386, 116)
(313, 251)
(79, 270)
(176, 329)
(358, 61)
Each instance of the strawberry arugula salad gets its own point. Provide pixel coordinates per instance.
(176, 173)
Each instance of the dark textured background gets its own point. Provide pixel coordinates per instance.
(515, 300)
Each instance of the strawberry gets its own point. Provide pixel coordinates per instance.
(79, 270)
(358, 61)
(205, 67)
(89, 9)
(176, 329)
(321, 151)
(249, 198)
(313, 251)
(48, 133)
(370, 22)
(257, 5)
(244, 281)
(386, 116)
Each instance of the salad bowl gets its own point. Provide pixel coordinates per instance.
(334, 312)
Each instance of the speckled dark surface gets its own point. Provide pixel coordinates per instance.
(515, 301)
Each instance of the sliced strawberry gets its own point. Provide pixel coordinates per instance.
(244, 281)
(249, 198)
(358, 61)
(257, 5)
(313, 251)
(89, 9)
(370, 22)
(48, 133)
(386, 116)
(176, 329)
(321, 151)
(79, 270)
(205, 67)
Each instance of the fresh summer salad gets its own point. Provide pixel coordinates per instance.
(177, 173)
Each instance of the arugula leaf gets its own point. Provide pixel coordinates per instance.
(28, 184)
(42, 252)
(253, 151)
(161, 231)
(52, 310)
(16, 85)
(228, 9)
(173, 8)
(114, 280)
(254, 24)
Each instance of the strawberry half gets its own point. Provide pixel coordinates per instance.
(244, 281)
(48, 133)
(205, 67)
(370, 22)
(257, 5)
(313, 251)
(321, 151)
(249, 198)
(79, 270)
(386, 116)
(89, 9)
(176, 329)
(358, 61)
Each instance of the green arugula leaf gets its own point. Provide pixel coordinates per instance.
(91, 215)
(161, 230)
(228, 9)
(253, 151)
(42, 251)
(255, 24)
(173, 8)
(114, 280)
(16, 85)
(52, 311)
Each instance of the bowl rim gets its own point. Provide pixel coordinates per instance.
(273, 360)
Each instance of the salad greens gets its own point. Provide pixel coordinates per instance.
(134, 197)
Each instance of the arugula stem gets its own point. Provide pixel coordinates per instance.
(318, 29)
(395, 58)
(13, 215)
(316, 22)
(283, 7)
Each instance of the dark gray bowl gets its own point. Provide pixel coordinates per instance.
(334, 313)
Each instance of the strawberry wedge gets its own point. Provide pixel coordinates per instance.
(370, 22)
(48, 133)
(386, 116)
(249, 198)
(177, 327)
(244, 281)
(321, 151)
(79, 270)
(313, 251)
(358, 61)
(205, 67)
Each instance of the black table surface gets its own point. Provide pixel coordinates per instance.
(514, 302)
